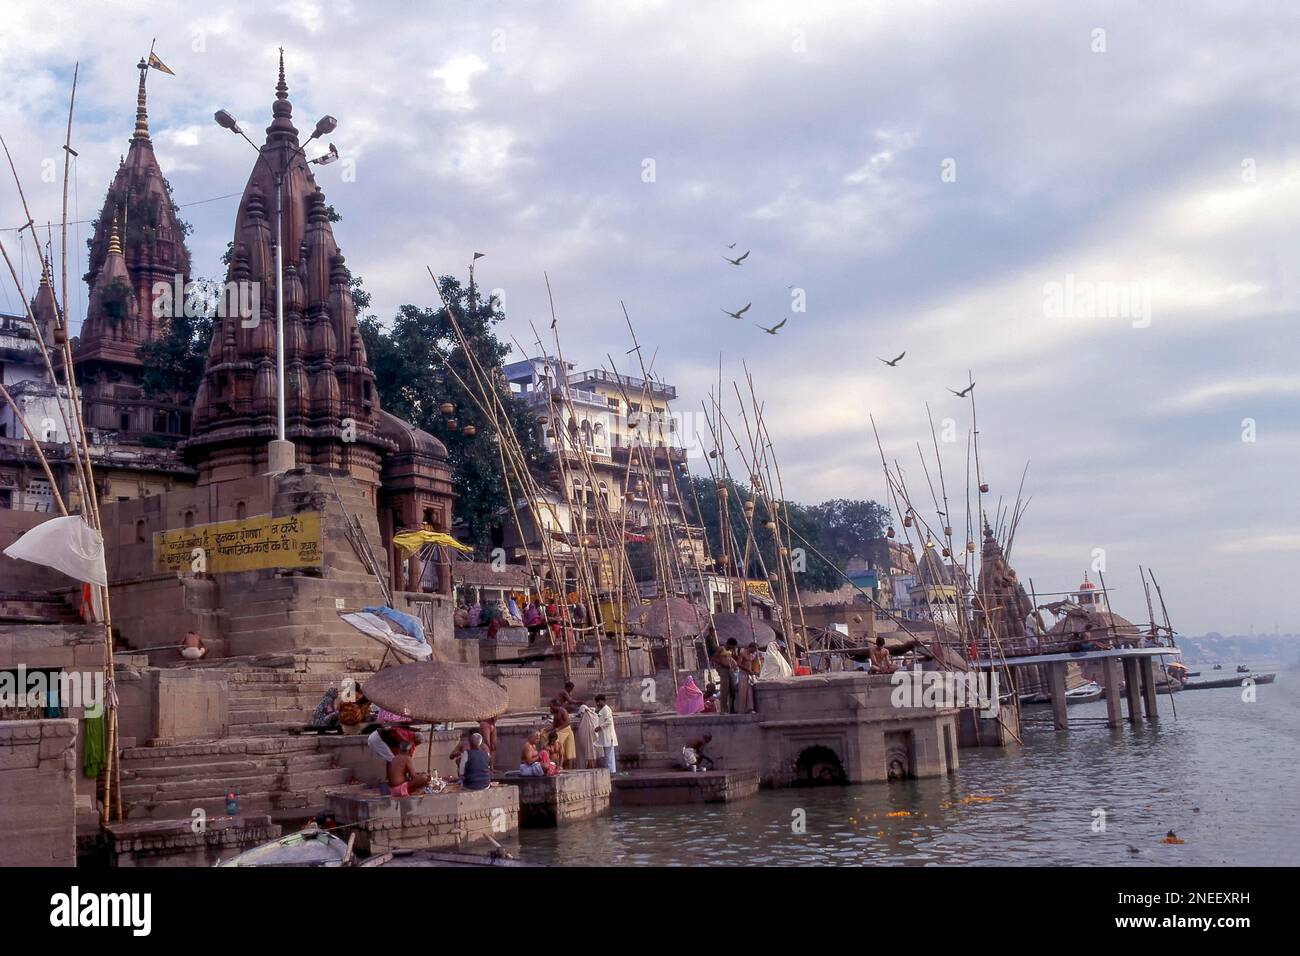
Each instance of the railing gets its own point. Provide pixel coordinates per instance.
(628, 381)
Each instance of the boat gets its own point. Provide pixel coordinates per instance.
(1085, 693)
(1236, 681)
(1218, 667)
(310, 846)
(1243, 669)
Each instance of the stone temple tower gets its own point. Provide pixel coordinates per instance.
(332, 408)
(138, 242)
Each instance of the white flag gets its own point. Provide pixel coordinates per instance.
(67, 544)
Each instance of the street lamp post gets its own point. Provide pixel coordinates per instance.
(280, 454)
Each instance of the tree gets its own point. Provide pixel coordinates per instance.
(174, 362)
(413, 380)
(839, 529)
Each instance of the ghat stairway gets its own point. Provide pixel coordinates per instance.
(271, 770)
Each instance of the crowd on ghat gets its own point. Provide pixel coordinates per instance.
(576, 735)
(551, 618)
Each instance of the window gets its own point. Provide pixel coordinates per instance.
(139, 531)
(125, 422)
(189, 519)
(241, 509)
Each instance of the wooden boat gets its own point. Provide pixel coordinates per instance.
(1085, 693)
(308, 847)
(1230, 681)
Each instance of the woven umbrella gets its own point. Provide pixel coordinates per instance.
(743, 628)
(651, 620)
(437, 691)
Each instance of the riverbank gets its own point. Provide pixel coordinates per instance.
(1224, 776)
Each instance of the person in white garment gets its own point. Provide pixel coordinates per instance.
(606, 735)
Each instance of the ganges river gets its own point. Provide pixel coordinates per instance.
(1224, 775)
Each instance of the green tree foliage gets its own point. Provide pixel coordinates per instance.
(838, 529)
(173, 363)
(413, 384)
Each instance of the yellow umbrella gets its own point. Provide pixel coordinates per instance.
(410, 541)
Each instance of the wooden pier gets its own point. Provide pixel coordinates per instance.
(1138, 677)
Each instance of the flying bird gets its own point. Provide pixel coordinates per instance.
(736, 315)
(773, 330)
(894, 362)
(964, 392)
(736, 262)
(732, 246)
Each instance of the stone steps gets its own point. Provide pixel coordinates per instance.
(277, 700)
(295, 716)
(286, 777)
(232, 767)
(215, 751)
(215, 788)
(278, 804)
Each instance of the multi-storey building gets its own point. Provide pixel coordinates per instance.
(620, 426)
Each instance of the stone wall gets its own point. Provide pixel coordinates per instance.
(437, 820)
(523, 684)
(38, 793)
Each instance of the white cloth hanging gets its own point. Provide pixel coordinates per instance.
(67, 544)
(774, 664)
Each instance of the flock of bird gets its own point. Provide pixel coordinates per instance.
(893, 363)
(740, 314)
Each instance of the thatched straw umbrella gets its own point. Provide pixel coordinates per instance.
(437, 691)
(743, 627)
(651, 620)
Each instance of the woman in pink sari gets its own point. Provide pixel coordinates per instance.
(690, 699)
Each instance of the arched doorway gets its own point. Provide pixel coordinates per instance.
(818, 766)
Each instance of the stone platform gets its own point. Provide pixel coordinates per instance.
(639, 788)
(568, 796)
(449, 819)
(174, 842)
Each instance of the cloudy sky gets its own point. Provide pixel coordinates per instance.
(1092, 207)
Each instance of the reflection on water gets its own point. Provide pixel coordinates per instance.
(1223, 776)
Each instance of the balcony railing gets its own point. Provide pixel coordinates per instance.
(630, 382)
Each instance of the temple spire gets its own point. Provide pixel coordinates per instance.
(141, 111)
(282, 129)
(114, 242)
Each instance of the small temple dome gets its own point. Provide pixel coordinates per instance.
(409, 439)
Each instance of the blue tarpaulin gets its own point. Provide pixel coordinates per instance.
(411, 625)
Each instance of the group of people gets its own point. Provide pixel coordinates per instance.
(738, 669)
(552, 618)
(577, 736)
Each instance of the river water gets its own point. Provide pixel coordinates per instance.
(1224, 776)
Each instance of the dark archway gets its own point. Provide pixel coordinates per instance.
(819, 766)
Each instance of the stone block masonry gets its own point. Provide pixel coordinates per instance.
(568, 796)
(437, 820)
(38, 792)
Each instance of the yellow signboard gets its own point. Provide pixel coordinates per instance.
(759, 587)
(288, 541)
